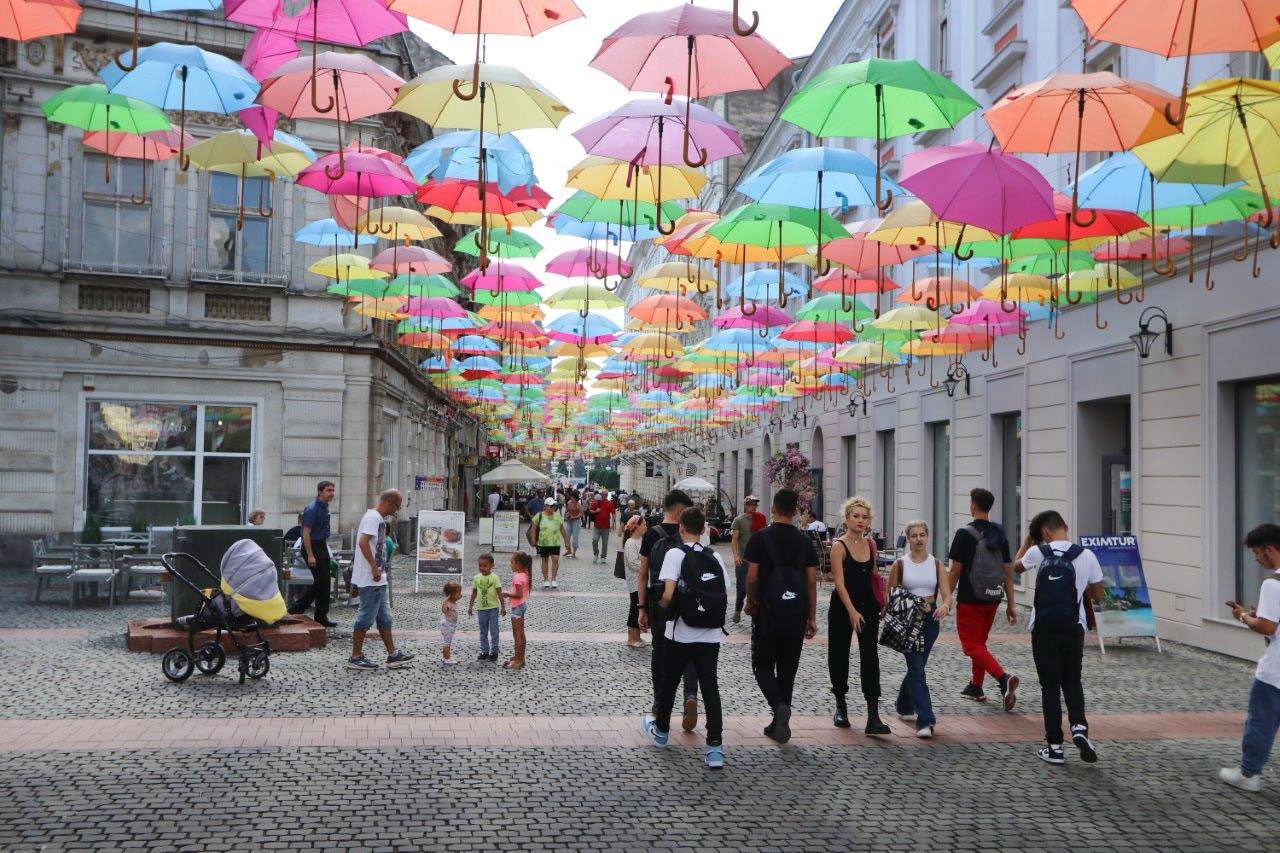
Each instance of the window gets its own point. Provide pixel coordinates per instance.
(1011, 474)
(940, 523)
(942, 54)
(748, 474)
(850, 450)
(117, 232)
(167, 463)
(888, 495)
(1257, 473)
(243, 251)
(389, 452)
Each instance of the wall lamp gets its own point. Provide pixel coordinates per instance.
(1144, 338)
(854, 401)
(955, 375)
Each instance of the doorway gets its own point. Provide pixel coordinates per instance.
(1103, 469)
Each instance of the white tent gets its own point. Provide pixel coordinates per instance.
(513, 471)
(694, 484)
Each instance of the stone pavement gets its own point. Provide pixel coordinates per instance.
(99, 751)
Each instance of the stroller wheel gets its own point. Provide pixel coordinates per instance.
(177, 665)
(210, 658)
(259, 664)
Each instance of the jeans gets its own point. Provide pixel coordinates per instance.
(913, 695)
(321, 582)
(774, 661)
(973, 625)
(740, 579)
(373, 608)
(702, 658)
(658, 657)
(488, 631)
(1260, 727)
(573, 526)
(600, 542)
(1058, 656)
(839, 641)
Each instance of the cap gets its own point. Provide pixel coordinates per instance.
(549, 502)
(750, 498)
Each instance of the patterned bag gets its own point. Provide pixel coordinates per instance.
(903, 622)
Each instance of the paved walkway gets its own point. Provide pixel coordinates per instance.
(99, 751)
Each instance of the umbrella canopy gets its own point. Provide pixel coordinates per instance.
(513, 471)
(182, 77)
(92, 108)
(353, 85)
(694, 484)
(645, 131)
(979, 185)
(606, 178)
(24, 20)
(509, 100)
(353, 23)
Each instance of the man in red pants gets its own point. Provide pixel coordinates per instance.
(981, 575)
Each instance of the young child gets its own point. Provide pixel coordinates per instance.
(518, 598)
(449, 619)
(488, 588)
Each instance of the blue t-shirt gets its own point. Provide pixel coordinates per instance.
(316, 516)
(535, 506)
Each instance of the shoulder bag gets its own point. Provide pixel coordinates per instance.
(903, 622)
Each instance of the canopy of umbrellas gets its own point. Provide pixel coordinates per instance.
(987, 244)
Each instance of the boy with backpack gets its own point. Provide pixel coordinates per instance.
(981, 574)
(1065, 574)
(694, 581)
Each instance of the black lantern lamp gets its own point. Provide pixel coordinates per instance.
(1145, 338)
(854, 401)
(956, 374)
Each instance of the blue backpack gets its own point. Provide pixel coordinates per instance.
(1057, 602)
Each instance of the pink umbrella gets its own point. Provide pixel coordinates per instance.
(645, 53)
(266, 51)
(763, 317)
(978, 185)
(410, 259)
(365, 175)
(261, 122)
(432, 306)
(993, 321)
(586, 263)
(346, 210)
(502, 277)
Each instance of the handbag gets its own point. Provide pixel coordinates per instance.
(903, 622)
(620, 566)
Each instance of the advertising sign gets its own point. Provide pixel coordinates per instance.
(506, 531)
(484, 531)
(1125, 609)
(440, 549)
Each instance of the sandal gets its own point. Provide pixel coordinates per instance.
(512, 665)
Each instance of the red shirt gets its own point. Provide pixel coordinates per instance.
(604, 514)
(758, 522)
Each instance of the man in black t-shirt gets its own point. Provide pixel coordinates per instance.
(974, 615)
(783, 617)
(658, 539)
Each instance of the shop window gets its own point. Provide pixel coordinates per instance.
(1257, 474)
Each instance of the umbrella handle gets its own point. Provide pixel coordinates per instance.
(670, 83)
(342, 170)
(1208, 268)
(475, 84)
(266, 214)
(755, 22)
(315, 30)
(1257, 247)
(1163, 266)
(134, 58)
(134, 199)
(699, 286)
(1097, 315)
(1242, 254)
(688, 111)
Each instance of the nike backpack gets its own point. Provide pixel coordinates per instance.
(1057, 602)
(701, 595)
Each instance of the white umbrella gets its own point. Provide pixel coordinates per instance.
(695, 484)
(513, 471)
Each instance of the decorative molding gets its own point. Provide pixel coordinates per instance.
(36, 52)
(116, 300)
(91, 57)
(229, 306)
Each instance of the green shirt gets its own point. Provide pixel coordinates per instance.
(742, 526)
(487, 588)
(549, 529)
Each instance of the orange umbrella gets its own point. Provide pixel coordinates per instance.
(24, 20)
(935, 291)
(667, 310)
(158, 145)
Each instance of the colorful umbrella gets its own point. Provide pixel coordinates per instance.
(89, 107)
(266, 51)
(157, 146)
(24, 20)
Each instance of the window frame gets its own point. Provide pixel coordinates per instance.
(86, 159)
(214, 209)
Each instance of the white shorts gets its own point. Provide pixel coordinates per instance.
(446, 631)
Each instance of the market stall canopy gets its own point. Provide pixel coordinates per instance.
(513, 471)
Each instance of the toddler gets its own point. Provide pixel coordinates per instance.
(449, 619)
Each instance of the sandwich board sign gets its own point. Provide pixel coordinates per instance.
(506, 531)
(1125, 609)
(440, 545)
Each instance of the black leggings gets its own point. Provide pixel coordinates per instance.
(839, 643)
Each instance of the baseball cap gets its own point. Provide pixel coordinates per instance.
(750, 498)
(550, 502)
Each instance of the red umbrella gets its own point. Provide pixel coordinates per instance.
(461, 196)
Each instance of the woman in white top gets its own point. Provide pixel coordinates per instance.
(921, 574)
(632, 535)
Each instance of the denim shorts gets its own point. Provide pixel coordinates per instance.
(518, 612)
(373, 608)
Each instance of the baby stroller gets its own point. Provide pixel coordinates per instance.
(246, 598)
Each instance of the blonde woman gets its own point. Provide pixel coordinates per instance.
(923, 575)
(632, 537)
(855, 610)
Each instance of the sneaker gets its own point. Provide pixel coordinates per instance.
(361, 662)
(925, 732)
(482, 656)
(715, 757)
(768, 731)
(650, 727)
(555, 584)
(546, 584)
(737, 616)
(689, 720)
(782, 723)
(1051, 754)
(398, 660)
(907, 717)
(451, 662)
(1008, 689)
(1080, 737)
(974, 692)
(1234, 777)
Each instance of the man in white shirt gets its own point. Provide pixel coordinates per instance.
(1058, 627)
(1263, 722)
(698, 644)
(367, 573)
(494, 500)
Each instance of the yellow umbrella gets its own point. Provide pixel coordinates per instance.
(567, 349)
(617, 179)
(511, 313)
(508, 100)
(653, 344)
(397, 223)
(494, 220)
(239, 153)
(914, 224)
(583, 298)
(1020, 287)
(675, 277)
(908, 318)
(345, 264)
(380, 309)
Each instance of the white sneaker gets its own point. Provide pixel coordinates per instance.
(908, 717)
(925, 733)
(546, 584)
(555, 584)
(451, 662)
(1236, 779)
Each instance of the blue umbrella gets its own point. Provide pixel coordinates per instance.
(457, 155)
(181, 77)
(475, 342)
(760, 285)
(1122, 182)
(816, 178)
(570, 227)
(591, 327)
(327, 232)
(151, 7)
(480, 363)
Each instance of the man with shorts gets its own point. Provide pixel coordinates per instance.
(367, 574)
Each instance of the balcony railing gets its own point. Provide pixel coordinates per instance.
(252, 279)
(79, 265)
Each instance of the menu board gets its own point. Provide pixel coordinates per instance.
(506, 531)
(440, 546)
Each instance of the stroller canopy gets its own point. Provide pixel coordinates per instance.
(249, 577)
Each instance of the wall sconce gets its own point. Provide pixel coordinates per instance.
(852, 407)
(955, 374)
(1144, 338)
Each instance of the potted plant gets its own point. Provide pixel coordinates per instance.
(91, 534)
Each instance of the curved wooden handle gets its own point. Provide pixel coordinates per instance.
(755, 22)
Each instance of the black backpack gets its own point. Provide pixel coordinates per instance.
(986, 570)
(702, 599)
(783, 595)
(1057, 602)
(658, 553)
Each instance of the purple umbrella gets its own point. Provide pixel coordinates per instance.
(978, 185)
(366, 175)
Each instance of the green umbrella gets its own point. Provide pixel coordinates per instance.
(777, 226)
(416, 284)
(1053, 263)
(1229, 207)
(1006, 247)
(95, 110)
(878, 99)
(827, 309)
(585, 207)
(502, 244)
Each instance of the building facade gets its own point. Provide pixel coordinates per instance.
(1181, 449)
(157, 364)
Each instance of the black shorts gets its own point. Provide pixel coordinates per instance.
(548, 550)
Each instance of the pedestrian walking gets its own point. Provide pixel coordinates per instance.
(547, 534)
(486, 589)
(740, 536)
(660, 538)
(855, 610)
(573, 521)
(518, 600)
(695, 589)
(495, 498)
(782, 599)
(367, 573)
(981, 574)
(632, 537)
(1263, 721)
(602, 525)
(1065, 574)
(924, 576)
(315, 548)
(449, 620)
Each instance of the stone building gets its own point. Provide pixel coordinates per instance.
(158, 364)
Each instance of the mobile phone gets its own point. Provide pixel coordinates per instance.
(1231, 605)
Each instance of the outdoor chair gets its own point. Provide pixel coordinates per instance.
(95, 565)
(46, 567)
(142, 570)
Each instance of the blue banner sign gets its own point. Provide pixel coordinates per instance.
(1125, 609)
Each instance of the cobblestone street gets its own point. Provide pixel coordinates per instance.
(104, 753)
